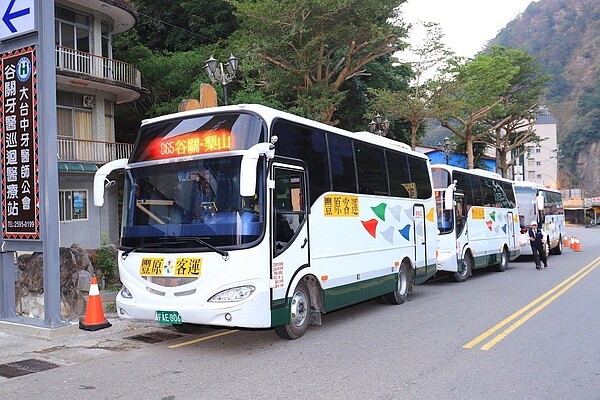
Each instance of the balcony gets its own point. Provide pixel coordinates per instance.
(83, 69)
(91, 151)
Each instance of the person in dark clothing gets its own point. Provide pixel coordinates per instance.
(536, 237)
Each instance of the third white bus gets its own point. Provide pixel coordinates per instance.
(544, 205)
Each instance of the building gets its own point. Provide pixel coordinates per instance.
(442, 156)
(540, 162)
(89, 83)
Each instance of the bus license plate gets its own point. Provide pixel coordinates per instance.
(168, 317)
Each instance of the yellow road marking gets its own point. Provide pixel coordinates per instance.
(567, 283)
(202, 339)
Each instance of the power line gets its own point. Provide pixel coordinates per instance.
(175, 26)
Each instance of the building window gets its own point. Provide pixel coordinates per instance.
(530, 175)
(72, 29)
(72, 205)
(538, 149)
(529, 152)
(73, 119)
(106, 40)
(538, 163)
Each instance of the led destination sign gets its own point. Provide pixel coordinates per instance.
(190, 144)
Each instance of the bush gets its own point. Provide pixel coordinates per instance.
(106, 260)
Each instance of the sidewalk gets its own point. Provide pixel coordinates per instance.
(70, 345)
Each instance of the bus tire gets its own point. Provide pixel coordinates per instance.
(468, 267)
(558, 249)
(501, 267)
(299, 314)
(399, 295)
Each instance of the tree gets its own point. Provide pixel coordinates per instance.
(311, 49)
(482, 84)
(429, 85)
(183, 25)
(511, 121)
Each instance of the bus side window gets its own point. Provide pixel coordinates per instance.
(289, 206)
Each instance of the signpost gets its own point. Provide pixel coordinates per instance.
(18, 18)
(29, 182)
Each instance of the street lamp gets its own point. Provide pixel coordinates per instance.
(445, 147)
(379, 126)
(218, 74)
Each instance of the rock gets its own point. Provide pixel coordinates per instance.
(76, 271)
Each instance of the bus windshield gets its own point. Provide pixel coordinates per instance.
(526, 201)
(197, 199)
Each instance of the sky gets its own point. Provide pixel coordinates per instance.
(467, 24)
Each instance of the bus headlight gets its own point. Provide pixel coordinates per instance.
(233, 294)
(126, 293)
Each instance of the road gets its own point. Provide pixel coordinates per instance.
(548, 349)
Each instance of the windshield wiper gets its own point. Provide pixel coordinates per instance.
(222, 253)
(146, 246)
(176, 241)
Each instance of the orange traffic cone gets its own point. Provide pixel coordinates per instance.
(566, 242)
(94, 315)
(577, 245)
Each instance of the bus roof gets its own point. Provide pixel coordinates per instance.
(271, 114)
(476, 171)
(534, 185)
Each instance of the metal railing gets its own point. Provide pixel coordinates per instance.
(100, 67)
(70, 149)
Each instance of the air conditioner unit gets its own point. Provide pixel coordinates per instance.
(88, 101)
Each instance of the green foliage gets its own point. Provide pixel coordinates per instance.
(564, 36)
(306, 52)
(106, 259)
(183, 25)
(579, 138)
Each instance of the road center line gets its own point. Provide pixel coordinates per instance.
(202, 339)
(576, 277)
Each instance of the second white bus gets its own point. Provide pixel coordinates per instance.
(477, 220)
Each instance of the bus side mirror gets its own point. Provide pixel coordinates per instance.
(449, 197)
(539, 202)
(100, 179)
(248, 167)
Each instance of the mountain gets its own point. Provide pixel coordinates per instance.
(565, 37)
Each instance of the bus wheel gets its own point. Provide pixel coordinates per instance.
(558, 249)
(299, 314)
(503, 261)
(399, 295)
(467, 268)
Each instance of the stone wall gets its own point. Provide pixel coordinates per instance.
(76, 270)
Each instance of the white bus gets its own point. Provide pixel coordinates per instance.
(544, 205)
(295, 219)
(477, 220)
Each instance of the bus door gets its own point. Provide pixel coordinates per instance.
(460, 222)
(421, 263)
(289, 227)
(510, 218)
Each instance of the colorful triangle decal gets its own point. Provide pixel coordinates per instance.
(380, 211)
(405, 232)
(429, 215)
(371, 226)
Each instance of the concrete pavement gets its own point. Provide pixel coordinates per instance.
(69, 344)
